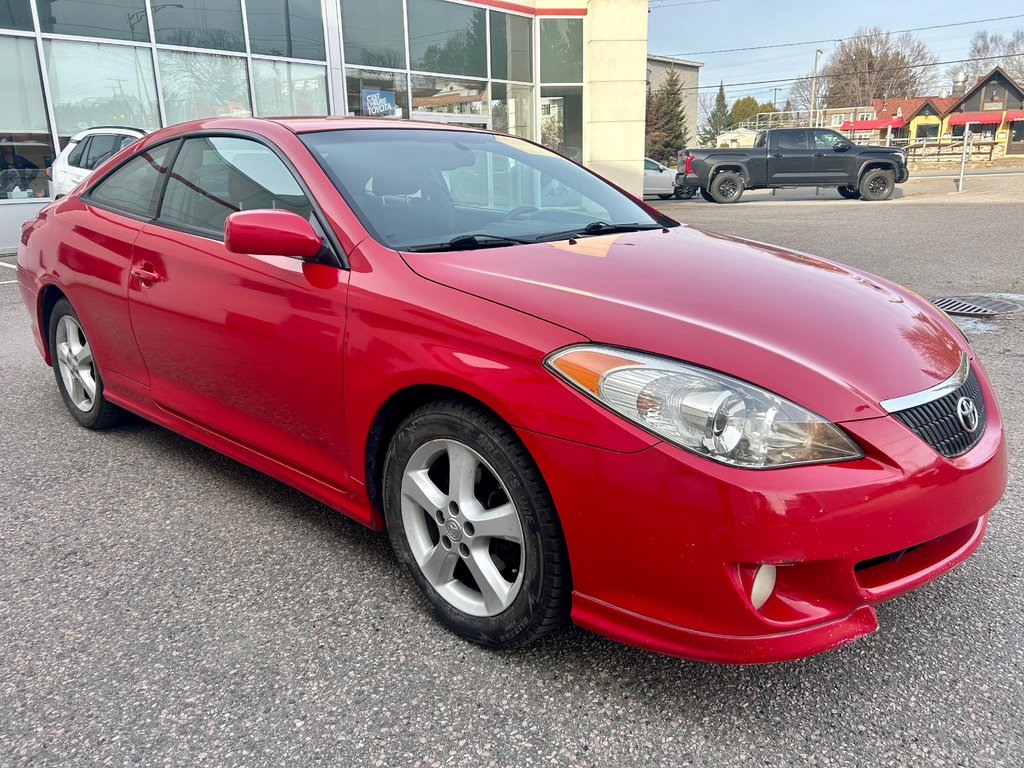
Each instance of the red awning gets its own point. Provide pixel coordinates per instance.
(962, 118)
(872, 125)
(1013, 115)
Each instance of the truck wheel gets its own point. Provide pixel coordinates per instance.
(704, 194)
(664, 197)
(877, 185)
(685, 193)
(726, 187)
(850, 193)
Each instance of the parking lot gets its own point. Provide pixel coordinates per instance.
(162, 604)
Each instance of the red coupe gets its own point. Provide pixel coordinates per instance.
(558, 402)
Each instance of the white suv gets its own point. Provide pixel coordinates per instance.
(84, 152)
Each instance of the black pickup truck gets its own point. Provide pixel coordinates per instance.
(794, 157)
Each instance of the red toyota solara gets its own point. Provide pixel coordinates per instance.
(558, 402)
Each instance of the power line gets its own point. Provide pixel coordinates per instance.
(852, 37)
(858, 72)
(686, 2)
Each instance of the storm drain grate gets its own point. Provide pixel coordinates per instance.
(976, 305)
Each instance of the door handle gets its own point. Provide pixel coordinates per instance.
(778, 154)
(145, 276)
(819, 154)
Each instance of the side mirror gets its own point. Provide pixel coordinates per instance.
(271, 233)
(842, 146)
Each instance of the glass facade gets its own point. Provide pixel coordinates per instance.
(68, 65)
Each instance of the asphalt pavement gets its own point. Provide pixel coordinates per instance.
(163, 605)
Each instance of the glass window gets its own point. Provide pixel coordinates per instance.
(216, 176)
(134, 188)
(119, 19)
(417, 187)
(284, 88)
(215, 24)
(561, 50)
(561, 129)
(294, 29)
(16, 14)
(511, 48)
(454, 97)
(77, 156)
(792, 140)
(374, 33)
(96, 84)
(927, 131)
(512, 109)
(199, 85)
(103, 146)
(444, 37)
(377, 94)
(826, 139)
(25, 144)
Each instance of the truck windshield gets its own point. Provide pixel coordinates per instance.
(437, 189)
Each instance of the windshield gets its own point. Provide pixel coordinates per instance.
(435, 189)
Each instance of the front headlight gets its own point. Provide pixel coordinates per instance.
(703, 411)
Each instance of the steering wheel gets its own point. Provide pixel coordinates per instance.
(522, 212)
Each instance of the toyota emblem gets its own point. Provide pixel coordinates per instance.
(967, 414)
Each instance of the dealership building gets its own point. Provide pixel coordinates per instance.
(568, 73)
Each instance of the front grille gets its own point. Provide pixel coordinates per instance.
(937, 424)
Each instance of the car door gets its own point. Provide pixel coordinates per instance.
(790, 158)
(657, 180)
(72, 171)
(831, 167)
(247, 346)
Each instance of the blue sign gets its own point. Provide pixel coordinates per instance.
(378, 103)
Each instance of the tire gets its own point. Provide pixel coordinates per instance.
(78, 376)
(704, 194)
(726, 187)
(877, 185)
(664, 197)
(440, 535)
(684, 193)
(850, 193)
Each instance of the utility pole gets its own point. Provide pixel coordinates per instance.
(814, 84)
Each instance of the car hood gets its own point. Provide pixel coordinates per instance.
(831, 338)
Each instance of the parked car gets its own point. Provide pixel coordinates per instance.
(660, 180)
(687, 442)
(795, 157)
(84, 152)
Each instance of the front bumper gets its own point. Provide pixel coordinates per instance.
(663, 544)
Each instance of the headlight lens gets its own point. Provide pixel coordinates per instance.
(703, 411)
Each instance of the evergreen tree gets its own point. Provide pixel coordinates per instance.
(717, 119)
(667, 131)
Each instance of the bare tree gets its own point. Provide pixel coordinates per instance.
(800, 94)
(873, 64)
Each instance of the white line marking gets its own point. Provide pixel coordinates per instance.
(9, 266)
(7, 282)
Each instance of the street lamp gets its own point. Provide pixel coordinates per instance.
(814, 85)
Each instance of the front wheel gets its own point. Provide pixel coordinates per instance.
(685, 193)
(469, 515)
(850, 193)
(704, 195)
(78, 376)
(726, 187)
(877, 185)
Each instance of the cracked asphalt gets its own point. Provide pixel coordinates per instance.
(163, 605)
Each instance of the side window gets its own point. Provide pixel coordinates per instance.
(826, 139)
(125, 142)
(101, 146)
(75, 158)
(216, 176)
(792, 139)
(135, 186)
(650, 165)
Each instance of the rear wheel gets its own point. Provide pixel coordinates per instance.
(664, 197)
(877, 185)
(685, 193)
(78, 377)
(726, 187)
(850, 193)
(471, 518)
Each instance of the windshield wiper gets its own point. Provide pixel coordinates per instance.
(601, 228)
(469, 242)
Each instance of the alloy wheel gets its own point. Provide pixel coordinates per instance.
(462, 527)
(75, 362)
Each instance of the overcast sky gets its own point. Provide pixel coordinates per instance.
(687, 28)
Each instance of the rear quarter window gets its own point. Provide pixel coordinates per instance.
(134, 188)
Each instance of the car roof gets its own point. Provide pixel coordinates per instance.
(297, 125)
(124, 130)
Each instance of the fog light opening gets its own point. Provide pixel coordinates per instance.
(763, 586)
